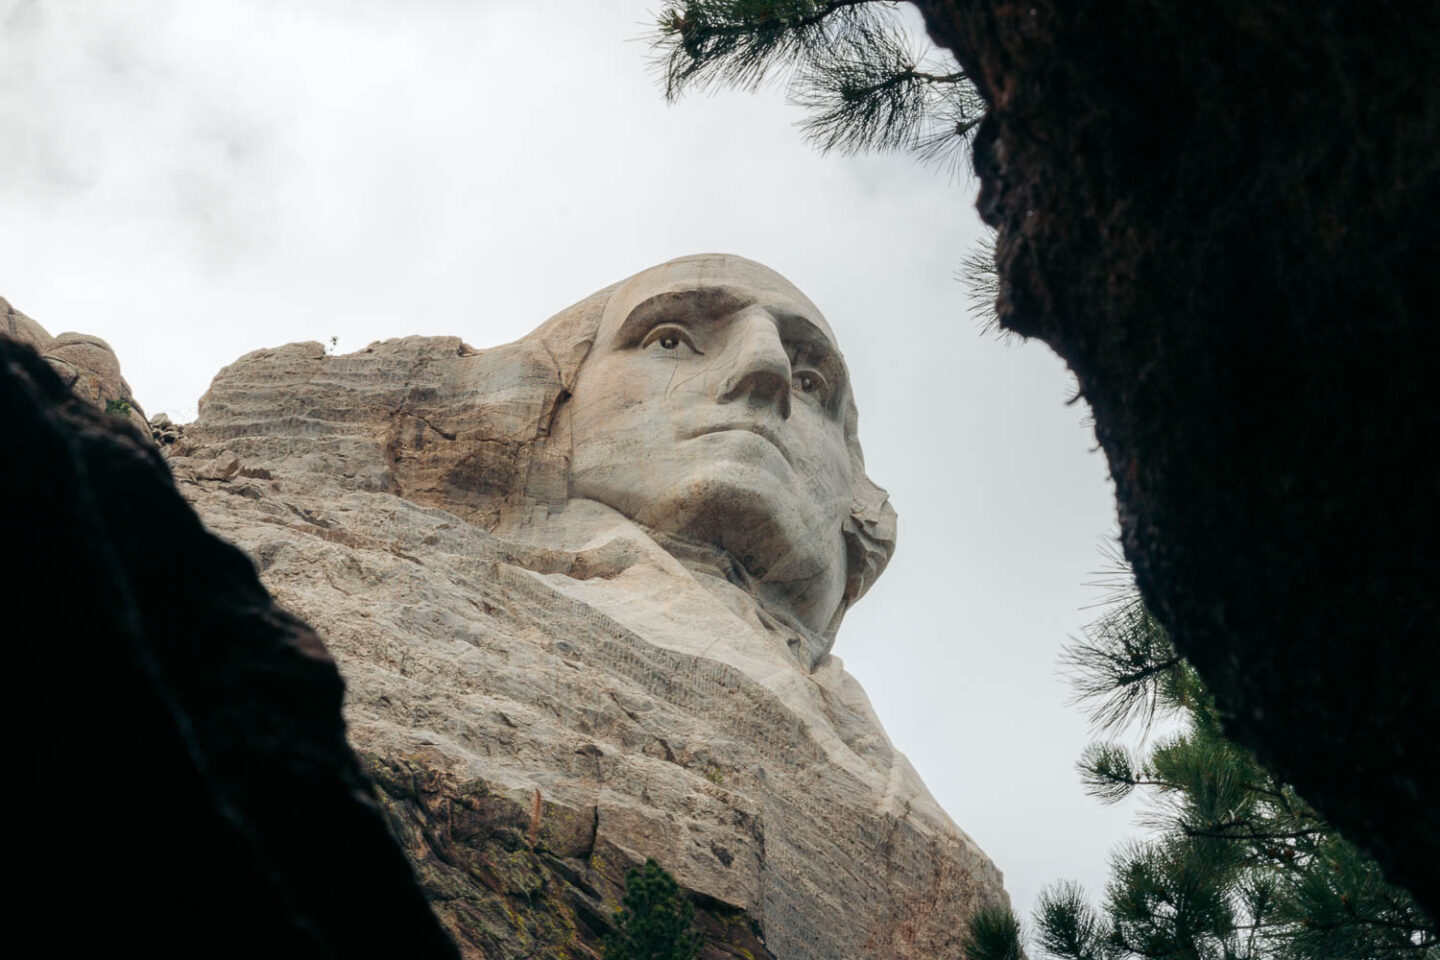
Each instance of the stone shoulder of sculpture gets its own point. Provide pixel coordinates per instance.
(598, 572)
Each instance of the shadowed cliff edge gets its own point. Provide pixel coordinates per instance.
(1221, 216)
(180, 782)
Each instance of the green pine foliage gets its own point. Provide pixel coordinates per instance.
(1234, 865)
(981, 277)
(657, 921)
(993, 934)
(864, 81)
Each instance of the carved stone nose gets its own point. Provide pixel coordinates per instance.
(759, 367)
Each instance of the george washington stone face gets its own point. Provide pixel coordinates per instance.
(712, 410)
(699, 412)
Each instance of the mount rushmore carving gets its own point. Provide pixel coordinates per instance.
(583, 589)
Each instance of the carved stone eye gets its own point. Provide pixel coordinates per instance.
(805, 382)
(669, 342)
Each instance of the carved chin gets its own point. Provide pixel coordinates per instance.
(782, 530)
(745, 510)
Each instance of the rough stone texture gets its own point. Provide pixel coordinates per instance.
(543, 692)
(1221, 215)
(518, 878)
(21, 328)
(178, 779)
(84, 363)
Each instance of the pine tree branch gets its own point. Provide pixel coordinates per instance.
(904, 76)
(1222, 832)
(674, 21)
(1428, 933)
(739, 42)
(852, 63)
(1147, 672)
(1241, 868)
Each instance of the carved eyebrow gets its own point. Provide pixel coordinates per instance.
(708, 302)
(796, 328)
(812, 344)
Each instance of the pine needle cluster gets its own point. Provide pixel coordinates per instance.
(981, 276)
(865, 82)
(657, 921)
(1234, 865)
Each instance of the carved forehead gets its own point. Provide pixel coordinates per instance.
(722, 274)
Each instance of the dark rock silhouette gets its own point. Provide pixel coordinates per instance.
(1221, 216)
(180, 782)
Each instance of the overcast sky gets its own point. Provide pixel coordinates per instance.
(192, 181)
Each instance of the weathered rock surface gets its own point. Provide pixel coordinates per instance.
(178, 782)
(84, 363)
(1221, 216)
(542, 691)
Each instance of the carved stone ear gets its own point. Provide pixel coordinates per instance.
(869, 531)
(869, 534)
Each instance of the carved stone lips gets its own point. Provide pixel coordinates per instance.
(761, 430)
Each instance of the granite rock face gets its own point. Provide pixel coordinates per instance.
(549, 687)
(84, 363)
(178, 781)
